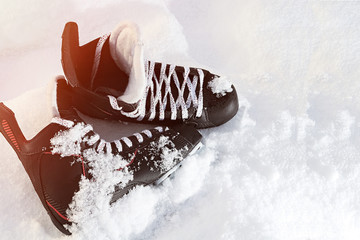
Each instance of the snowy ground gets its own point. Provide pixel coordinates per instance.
(289, 169)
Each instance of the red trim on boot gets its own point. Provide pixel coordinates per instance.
(10, 134)
(62, 216)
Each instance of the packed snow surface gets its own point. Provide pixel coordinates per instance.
(288, 169)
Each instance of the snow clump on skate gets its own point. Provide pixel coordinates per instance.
(169, 154)
(94, 194)
(220, 86)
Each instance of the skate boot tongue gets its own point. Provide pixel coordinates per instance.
(126, 49)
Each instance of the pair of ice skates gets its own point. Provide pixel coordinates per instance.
(108, 78)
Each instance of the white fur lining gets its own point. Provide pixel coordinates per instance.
(126, 48)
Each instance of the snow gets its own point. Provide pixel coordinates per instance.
(289, 169)
(92, 201)
(67, 143)
(169, 155)
(220, 86)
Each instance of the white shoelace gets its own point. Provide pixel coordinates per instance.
(157, 99)
(97, 56)
(104, 145)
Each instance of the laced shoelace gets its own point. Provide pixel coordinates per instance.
(154, 87)
(97, 56)
(92, 139)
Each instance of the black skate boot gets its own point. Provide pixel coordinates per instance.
(111, 80)
(56, 175)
